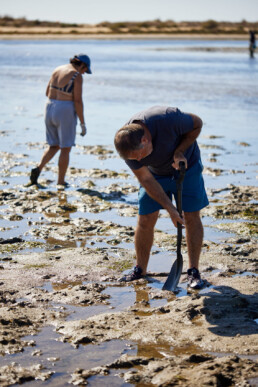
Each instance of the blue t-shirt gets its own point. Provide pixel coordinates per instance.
(167, 125)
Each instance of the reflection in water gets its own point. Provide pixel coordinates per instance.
(65, 285)
(154, 350)
(142, 296)
(60, 243)
(161, 350)
(63, 210)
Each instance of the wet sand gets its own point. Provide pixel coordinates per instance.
(59, 285)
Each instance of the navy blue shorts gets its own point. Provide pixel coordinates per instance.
(194, 196)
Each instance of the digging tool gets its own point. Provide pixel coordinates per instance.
(176, 269)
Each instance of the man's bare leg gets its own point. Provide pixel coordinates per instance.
(144, 239)
(194, 237)
(63, 163)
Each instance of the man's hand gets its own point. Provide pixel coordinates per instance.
(186, 141)
(178, 156)
(156, 192)
(83, 130)
(175, 217)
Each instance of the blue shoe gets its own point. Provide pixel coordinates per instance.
(194, 279)
(133, 275)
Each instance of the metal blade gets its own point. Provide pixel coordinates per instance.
(174, 275)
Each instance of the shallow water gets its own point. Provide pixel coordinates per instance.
(128, 76)
(214, 79)
(47, 341)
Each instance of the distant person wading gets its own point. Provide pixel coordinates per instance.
(252, 43)
(64, 105)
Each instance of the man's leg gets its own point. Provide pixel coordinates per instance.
(194, 237)
(144, 239)
(63, 164)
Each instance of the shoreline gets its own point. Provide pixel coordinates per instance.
(37, 36)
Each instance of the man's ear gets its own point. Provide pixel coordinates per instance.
(144, 140)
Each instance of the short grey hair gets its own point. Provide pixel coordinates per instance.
(128, 139)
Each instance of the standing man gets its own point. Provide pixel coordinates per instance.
(152, 143)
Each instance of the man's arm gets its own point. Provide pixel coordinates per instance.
(156, 192)
(187, 140)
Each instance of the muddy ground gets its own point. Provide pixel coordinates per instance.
(71, 253)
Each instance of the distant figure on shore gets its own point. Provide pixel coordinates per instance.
(64, 105)
(252, 43)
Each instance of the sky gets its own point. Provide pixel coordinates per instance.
(96, 11)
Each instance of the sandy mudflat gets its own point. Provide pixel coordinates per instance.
(206, 338)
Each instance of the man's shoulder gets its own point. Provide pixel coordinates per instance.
(160, 111)
(152, 112)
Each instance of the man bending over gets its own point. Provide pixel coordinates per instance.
(152, 143)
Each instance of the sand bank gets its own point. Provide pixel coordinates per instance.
(99, 36)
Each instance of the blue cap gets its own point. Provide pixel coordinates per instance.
(85, 59)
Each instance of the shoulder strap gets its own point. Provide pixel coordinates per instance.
(69, 86)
